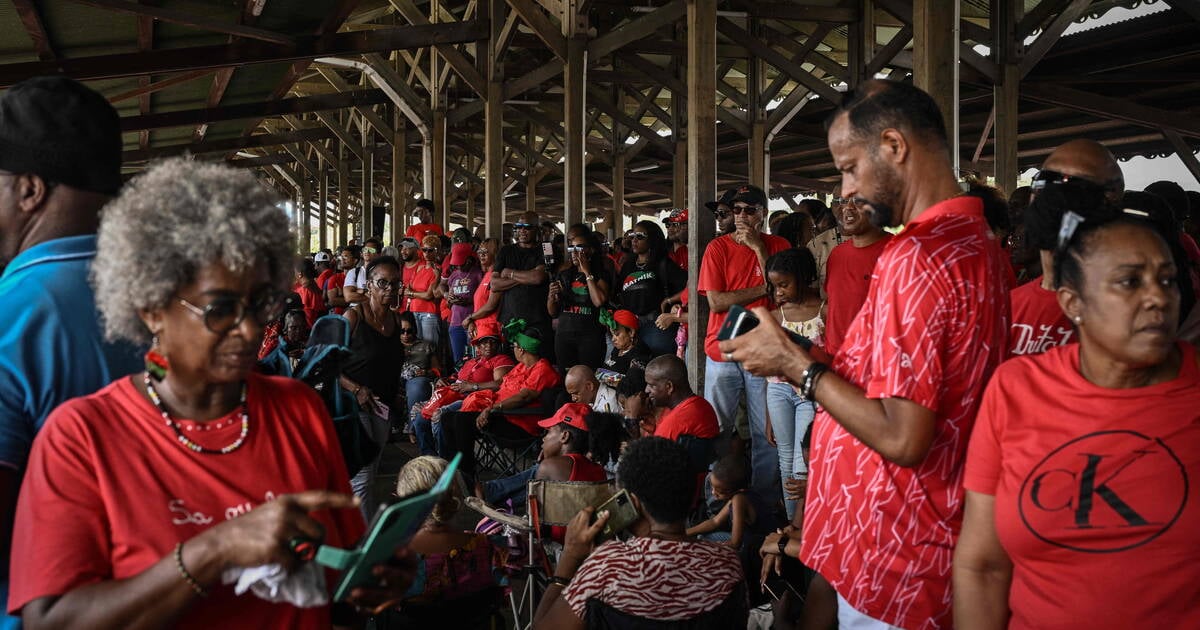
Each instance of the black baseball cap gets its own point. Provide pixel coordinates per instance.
(726, 199)
(752, 195)
(63, 131)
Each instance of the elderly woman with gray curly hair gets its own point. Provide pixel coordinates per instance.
(142, 499)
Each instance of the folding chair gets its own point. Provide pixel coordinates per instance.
(507, 456)
(550, 503)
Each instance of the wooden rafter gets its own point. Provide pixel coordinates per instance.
(193, 19)
(31, 19)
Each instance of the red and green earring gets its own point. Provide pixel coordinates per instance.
(156, 362)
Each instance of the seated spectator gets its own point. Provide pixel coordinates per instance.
(729, 480)
(420, 367)
(660, 573)
(137, 498)
(310, 294)
(628, 351)
(521, 388)
(688, 414)
(457, 584)
(583, 387)
(283, 359)
(484, 371)
(273, 331)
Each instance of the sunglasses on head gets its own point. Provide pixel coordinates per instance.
(638, 236)
(745, 210)
(226, 312)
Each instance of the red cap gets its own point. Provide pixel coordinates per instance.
(574, 414)
(678, 215)
(484, 329)
(460, 253)
(626, 319)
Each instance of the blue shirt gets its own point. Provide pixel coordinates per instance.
(52, 349)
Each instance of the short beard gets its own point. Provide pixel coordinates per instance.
(886, 197)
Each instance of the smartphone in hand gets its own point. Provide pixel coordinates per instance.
(739, 321)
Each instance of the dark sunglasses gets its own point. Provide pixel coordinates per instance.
(745, 210)
(722, 214)
(638, 236)
(429, 250)
(224, 313)
(384, 284)
(523, 226)
(405, 330)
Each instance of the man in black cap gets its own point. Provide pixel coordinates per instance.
(723, 211)
(733, 271)
(60, 162)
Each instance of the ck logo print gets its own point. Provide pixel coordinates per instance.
(1105, 492)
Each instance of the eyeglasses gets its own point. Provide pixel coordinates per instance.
(429, 250)
(384, 284)
(744, 209)
(638, 236)
(225, 313)
(843, 202)
(523, 226)
(405, 330)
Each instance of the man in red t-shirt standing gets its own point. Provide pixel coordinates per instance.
(677, 236)
(420, 279)
(885, 497)
(848, 271)
(732, 272)
(424, 225)
(1038, 322)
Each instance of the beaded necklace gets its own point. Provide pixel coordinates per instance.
(190, 445)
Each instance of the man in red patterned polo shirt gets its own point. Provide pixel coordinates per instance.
(885, 497)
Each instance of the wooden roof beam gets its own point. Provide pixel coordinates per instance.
(454, 57)
(777, 59)
(1112, 108)
(233, 144)
(193, 20)
(253, 110)
(244, 53)
(150, 88)
(31, 18)
(542, 26)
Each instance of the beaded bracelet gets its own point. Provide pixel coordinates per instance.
(199, 590)
(808, 380)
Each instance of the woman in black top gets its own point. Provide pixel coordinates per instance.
(575, 297)
(372, 371)
(647, 280)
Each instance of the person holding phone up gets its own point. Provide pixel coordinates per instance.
(621, 579)
(574, 298)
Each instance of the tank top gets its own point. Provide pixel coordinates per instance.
(813, 328)
(375, 360)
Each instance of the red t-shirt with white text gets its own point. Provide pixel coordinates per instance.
(694, 416)
(110, 491)
(728, 266)
(1095, 500)
(1038, 322)
(847, 278)
(933, 327)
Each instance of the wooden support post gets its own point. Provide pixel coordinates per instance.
(702, 165)
(368, 181)
(493, 142)
(322, 205)
(303, 224)
(616, 214)
(861, 43)
(935, 60)
(575, 129)
(343, 198)
(1005, 17)
(438, 163)
(399, 171)
(679, 113)
(757, 148)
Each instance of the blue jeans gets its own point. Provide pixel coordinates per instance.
(790, 417)
(514, 488)
(458, 342)
(427, 324)
(435, 428)
(724, 384)
(417, 390)
(659, 341)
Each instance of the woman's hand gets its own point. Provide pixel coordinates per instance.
(483, 418)
(464, 388)
(395, 576)
(795, 489)
(555, 291)
(418, 372)
(580, 538)
(262, 535)
(581, 262)
(664, 321)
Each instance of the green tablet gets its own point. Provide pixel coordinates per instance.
(393, 526)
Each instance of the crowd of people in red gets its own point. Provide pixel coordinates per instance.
(958, 408)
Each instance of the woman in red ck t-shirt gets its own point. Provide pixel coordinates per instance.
(1080, 464)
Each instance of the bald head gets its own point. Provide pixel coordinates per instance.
(1090, 160)
(669, 368)
(581, 384)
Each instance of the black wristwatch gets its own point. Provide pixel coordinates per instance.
(783, 541)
